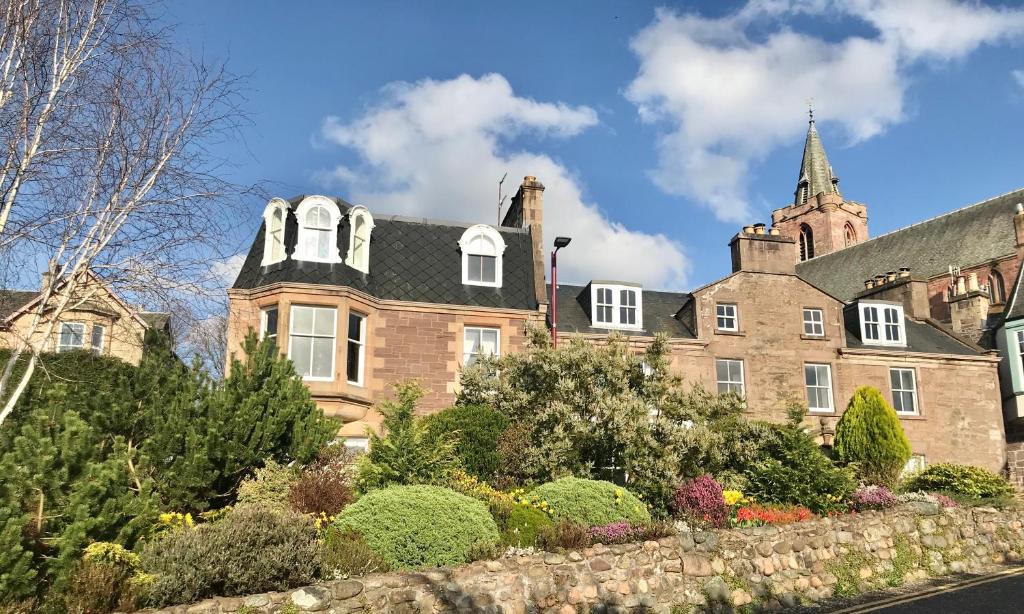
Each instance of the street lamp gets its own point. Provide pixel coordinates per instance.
(560, 242)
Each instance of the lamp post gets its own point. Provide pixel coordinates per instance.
(560, 242)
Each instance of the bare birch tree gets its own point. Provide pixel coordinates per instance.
(107, 132)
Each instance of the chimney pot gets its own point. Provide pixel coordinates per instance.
(759, 229)
(972, 283)
(905, 271)
(961, 286)
(1019, 209)
(529, 178)
(869, 283)
(879, 280)
(748, 229)
(890, 276)
(774, 231)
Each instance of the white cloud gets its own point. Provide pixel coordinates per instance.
(438, 148)
(1018, 76)
(226, 271)
(730, 89)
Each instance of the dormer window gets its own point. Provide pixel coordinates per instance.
(318, 218)
(482, 247)
(616, 306)
(882, 324)
(361, 224)
(274, 216)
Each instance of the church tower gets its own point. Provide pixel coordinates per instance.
(820, 218)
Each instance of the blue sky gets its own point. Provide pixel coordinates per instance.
(658, 129)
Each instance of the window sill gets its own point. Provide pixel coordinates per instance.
(807, 337)
(909, 416)
(825, 413)
(734, 333)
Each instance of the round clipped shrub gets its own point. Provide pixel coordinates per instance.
(591, 502)
(523, 526)
(963, 480)
(477, 429)
(870, 435)
(420, 526)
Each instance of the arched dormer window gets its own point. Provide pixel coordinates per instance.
(360, 227)
(318, 218)
(274, 216)
(806, 242)
(482, 247)
(996, 287)
(849, 235)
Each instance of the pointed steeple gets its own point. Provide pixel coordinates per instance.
(815, 171)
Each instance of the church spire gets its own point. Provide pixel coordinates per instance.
(815, 171)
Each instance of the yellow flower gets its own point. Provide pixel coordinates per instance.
(732, 497)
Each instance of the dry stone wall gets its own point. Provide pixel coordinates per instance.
(769, 567)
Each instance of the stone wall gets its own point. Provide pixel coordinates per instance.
(1015, 463)
(774, 567)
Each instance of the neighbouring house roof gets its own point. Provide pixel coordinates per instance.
(659, 313)
(928, 337)
(13, 300)
(156, 320)
(411, 259)
(966, 237)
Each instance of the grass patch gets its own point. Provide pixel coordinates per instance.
(846, 569)
(903, 560)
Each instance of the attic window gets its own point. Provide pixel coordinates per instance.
(274, 216)
(882, 324)
(361, 224)
(616, 306)
(318, 230)
(482, 248)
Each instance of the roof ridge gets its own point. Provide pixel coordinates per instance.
(921, 223)
(437, 222)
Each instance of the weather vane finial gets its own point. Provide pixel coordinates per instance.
(810, 108)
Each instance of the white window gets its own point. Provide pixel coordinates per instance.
(72, 336)
(729, 374)
(361, 223)
(98, 333)
(882, 324)
(725, 317)
(318, 230)
(358, 444)
(477, 342)
(356, 350)
(311, 341)
(818, 379)
(616, 306)
(274, 216)
(814, 325)
(1020, 347)
(904, 390)
(268, 323)
(482, 247)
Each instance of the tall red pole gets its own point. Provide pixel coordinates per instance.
(554, 298)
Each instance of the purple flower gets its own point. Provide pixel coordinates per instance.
(872, 498)
(616, 532)
(945, 501)
(700, 499)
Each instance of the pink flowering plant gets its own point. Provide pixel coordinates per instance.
(701, 500)
(872, 498)
(624, 532)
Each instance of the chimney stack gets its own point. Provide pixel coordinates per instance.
(1018, 224)
(756, 250)
(900, 287)
(968, 308)
(527, 211)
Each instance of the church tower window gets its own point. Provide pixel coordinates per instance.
(806, 242)
(996, 287)
(849, 235)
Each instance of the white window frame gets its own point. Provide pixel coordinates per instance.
(468, 356)
(61, 347)
(97, 349)
(913, 391)
(468, 247)
(334, 340)
(721, 313)
(1020, 351)
(359, 259)
(818, 386)
(334, 218)
(875, 317)
(815, 325)
(729, 383)
(361, 342)
(271, 254)
(616, 305)
(263, 322)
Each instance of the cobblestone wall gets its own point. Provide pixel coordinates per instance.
(773, 567)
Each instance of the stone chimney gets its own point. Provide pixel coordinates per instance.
(527, 211)
(758, 250)
(969, 308)
(899, 287)
(1018, 224)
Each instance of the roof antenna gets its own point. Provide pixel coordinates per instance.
(501, 198)
(810, 109)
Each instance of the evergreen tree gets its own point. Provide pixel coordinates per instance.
(869, 435)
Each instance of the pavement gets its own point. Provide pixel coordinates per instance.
(998, 593)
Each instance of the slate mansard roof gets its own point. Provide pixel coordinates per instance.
(411, 259)
(965, 237)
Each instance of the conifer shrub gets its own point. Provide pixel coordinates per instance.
(591, 502)
(870, 437)
(253, 549)
(523, 526)
(965, 481)
(268, 486)
(419, 526)
(476, 429)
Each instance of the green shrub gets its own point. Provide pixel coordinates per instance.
(269, 485)
(477, 429)
(796, 472)
(591, 502)
(344, 554)
(971, 483)
(251, 550)
(870, 436)
(523, 526)
(325, 485)
(420, 526)
(408, 454)
(106, 579)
